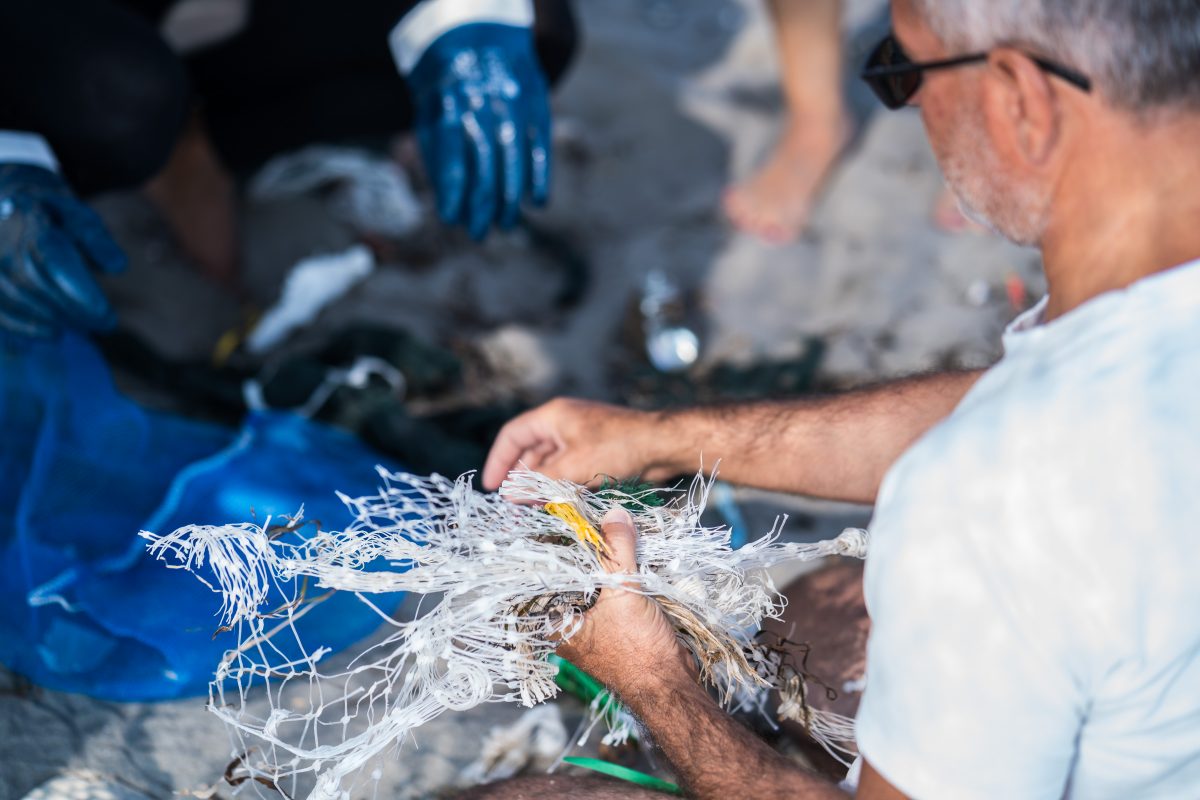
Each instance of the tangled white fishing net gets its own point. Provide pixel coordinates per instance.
(509, 580)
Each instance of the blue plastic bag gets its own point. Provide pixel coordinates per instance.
(83, 607)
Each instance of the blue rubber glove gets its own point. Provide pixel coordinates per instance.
(483, 122)
(49, 244)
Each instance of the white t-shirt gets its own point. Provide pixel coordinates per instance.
(1034, 573)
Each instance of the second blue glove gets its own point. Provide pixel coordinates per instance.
(50, 243)
(483, 123)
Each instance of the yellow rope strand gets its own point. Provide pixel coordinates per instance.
(583, 529)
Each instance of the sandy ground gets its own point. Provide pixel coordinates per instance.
(668, 102)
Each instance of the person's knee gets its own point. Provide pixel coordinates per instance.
(133, 110)
(825, 627)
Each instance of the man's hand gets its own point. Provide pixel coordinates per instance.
(50, 243)
(625, 640)
(483, 122)
(580, 440)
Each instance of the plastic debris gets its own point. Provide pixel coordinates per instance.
(373, 193)
(190, 25)
(312, 285)
(533, 742)
(625, 774)
(83, 607)
(510, 581)
(978, 293)
(85, 785)
(1017, 291)
(670, 345)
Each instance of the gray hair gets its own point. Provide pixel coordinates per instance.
(1141, 55)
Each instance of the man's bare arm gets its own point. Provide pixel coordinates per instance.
(627, 642)
(712, 754)
(838, 447)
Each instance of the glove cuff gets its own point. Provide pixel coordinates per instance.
(422, 26)
(22, 147)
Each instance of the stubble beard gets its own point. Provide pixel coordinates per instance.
(985, 193)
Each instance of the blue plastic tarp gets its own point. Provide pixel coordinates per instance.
(83, 606)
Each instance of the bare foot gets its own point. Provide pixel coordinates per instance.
(196, 196)
(948, 216)
(776, 201)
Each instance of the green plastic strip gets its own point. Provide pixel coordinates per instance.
(574, 680)
(625, 774)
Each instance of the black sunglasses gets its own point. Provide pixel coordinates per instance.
(895, 78)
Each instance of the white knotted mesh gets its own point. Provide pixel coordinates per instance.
(506, 580)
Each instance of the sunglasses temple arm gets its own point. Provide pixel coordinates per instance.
(1069, 75)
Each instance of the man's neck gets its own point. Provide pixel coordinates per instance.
(1128, 210)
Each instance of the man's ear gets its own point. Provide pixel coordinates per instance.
(1021, 109)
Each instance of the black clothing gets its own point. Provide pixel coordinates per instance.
(95, 78)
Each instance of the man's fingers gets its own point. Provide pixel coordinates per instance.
(519, 436)
(620, 534)
(537, 457)
(658, 474)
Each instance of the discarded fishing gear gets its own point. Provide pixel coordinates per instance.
(509, 580)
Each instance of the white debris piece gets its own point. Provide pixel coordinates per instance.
(191, 25)
(533, 742)
(84, 785)
(372, 192)
(313, 284)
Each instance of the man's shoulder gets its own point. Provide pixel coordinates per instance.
(1088, 429)
(1124, 369)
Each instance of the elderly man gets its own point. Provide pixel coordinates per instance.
(1032, 575)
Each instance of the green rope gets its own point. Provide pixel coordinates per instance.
(573, 680)
(643, 495)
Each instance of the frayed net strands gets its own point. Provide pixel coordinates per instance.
(512, 579)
